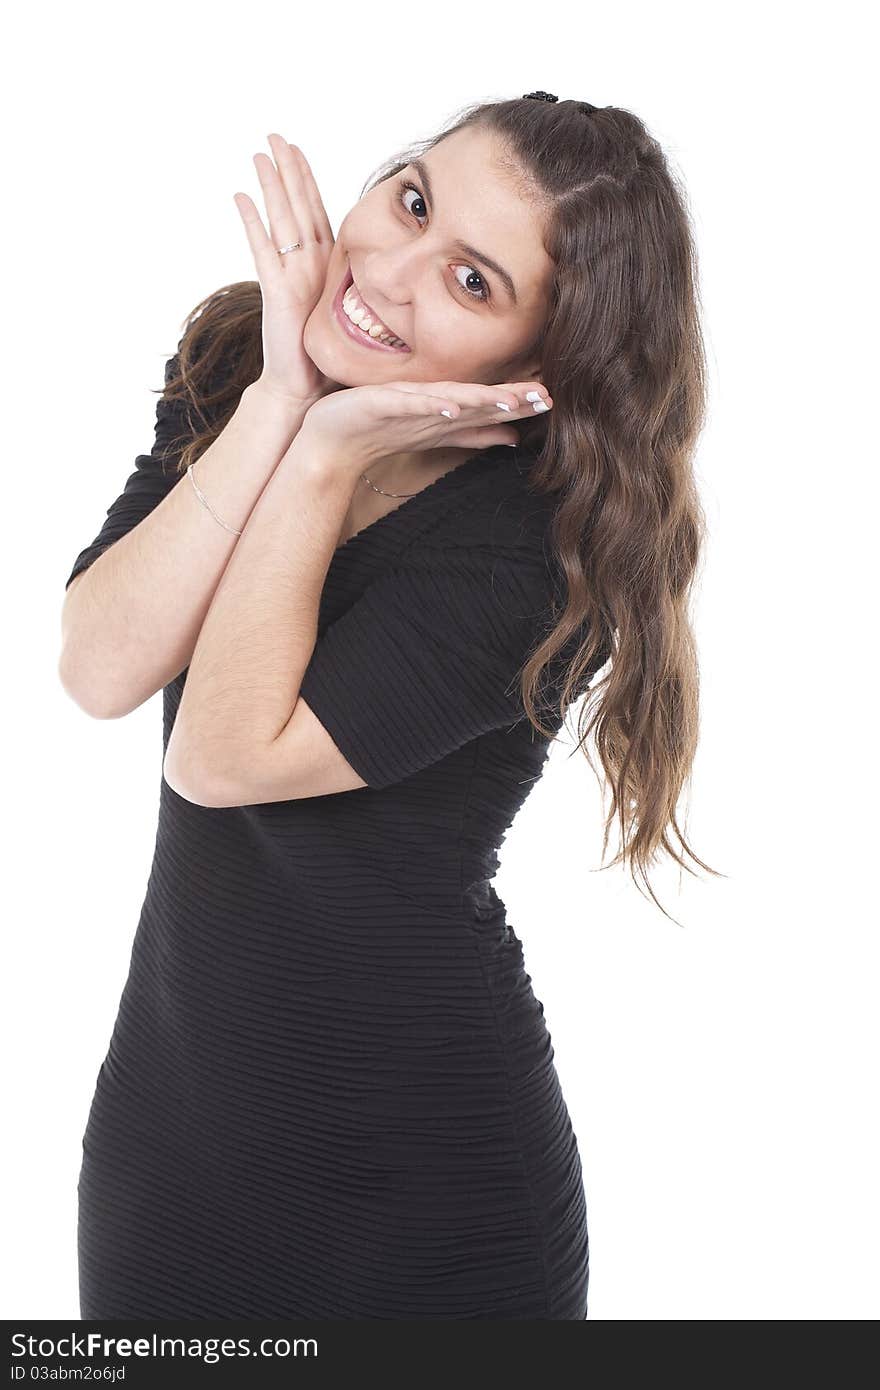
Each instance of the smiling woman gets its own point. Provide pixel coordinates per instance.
(401, 249)
(330, 1090)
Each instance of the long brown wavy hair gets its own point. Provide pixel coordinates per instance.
(623, 357)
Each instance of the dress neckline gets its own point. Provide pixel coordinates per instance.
(430, 491)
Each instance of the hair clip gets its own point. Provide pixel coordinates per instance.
(585, 106)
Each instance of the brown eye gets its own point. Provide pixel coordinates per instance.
(483, 293)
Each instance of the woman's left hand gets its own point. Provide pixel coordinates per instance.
(361, 424)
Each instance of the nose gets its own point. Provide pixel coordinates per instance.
(390, 275)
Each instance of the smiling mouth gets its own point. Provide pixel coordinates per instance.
(377, 331)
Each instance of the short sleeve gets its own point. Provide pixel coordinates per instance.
(428, 658)
(154, 475)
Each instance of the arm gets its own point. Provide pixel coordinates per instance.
(130, 622)
(131, 627)
(246, 728)
(255, 643)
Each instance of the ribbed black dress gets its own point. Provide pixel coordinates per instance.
(330, 1090)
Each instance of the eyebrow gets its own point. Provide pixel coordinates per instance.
(422, 171)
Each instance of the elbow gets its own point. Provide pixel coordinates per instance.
(105, 699)
(194, 782)
(91, 701)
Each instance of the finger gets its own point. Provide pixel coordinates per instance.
(523, 397)
(438, 389)
(283, 224)
(320, 222)
(502, 389)
(389, 402)
(264, 252)
(424, 404)
(429, 404)
(518, 402)
(522, 389)
(520, 399)
(298, 197)
(470, 395)
(479, 402)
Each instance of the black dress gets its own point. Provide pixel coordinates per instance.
(330, 1091)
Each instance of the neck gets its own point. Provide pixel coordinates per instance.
(407, 472)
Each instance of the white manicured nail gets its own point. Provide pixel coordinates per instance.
(502, 405)
(447, 413)
(533, 395)
(540, 405)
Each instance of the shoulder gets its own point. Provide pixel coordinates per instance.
(486, 558)
(496, 506)
(497, 523)
(521, 515)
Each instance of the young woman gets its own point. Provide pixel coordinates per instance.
(330, 1091)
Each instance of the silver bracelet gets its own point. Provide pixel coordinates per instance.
(203, 499)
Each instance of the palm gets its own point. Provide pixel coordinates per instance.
(283, 323)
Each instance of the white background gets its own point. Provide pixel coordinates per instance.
(721, 1074)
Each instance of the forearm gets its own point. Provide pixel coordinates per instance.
(130, 623)
(260, 630)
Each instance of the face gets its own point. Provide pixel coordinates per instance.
(457, 314)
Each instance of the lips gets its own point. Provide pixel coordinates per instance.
(349, 281)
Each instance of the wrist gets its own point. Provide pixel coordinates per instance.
(288, 410)
(328, 456)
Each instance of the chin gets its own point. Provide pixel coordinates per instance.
(321, 352)
(329, 357)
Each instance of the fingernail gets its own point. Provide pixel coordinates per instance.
(540, 405)
(447, 413)
(533, 395)
(502, 405)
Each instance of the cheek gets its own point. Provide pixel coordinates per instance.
(456, 341)
(364, 226)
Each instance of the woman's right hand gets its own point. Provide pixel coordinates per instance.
(292, 284)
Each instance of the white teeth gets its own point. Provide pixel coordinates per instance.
(355, 310)
(352, 307)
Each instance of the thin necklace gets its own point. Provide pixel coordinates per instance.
(388, 494)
